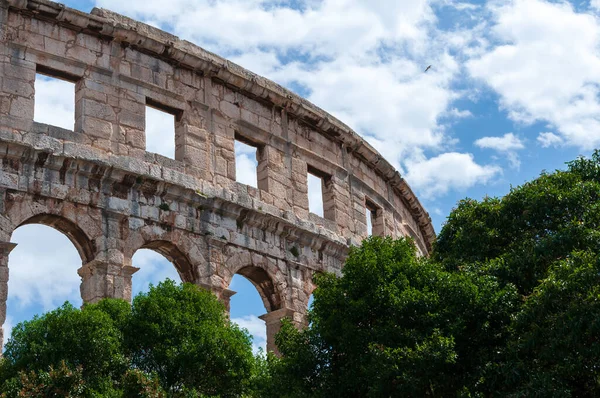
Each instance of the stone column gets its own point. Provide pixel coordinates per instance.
(274, 177)
(101, 279)
(224, 295)
(273, 322)
(5, 249)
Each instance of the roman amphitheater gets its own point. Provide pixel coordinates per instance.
(99, 186)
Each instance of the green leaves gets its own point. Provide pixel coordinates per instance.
(174, 340)
(181, 334)
(393, 325)
(81, 338)
(508, 304)
(518, 237)
(555, 344)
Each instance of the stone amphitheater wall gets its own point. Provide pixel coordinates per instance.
(98, 185)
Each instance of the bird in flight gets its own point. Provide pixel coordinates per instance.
(429, 67)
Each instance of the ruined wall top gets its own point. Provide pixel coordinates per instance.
(181, 54)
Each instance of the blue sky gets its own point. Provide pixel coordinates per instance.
(513, 90)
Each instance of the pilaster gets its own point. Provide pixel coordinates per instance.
(224, 295)
(273, 323)
(100, 279)
(5, 249)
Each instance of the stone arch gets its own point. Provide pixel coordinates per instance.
(264, 285)
(263, 273)
(185, 251)
(81, 224)
(84, 245)
(178, 258)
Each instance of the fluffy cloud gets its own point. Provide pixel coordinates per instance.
(315, 195)
(508, 144)
(313, 26)
(246, 164)
(54, 102)
(549, 139)
(39, 273)
(160, 132)
(545, 65)
(256, 327)
(8, 325)
(438, 175)
(153, 268)
(366, 68)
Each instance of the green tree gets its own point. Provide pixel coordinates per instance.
(393, 325)
(173, 341)
(54, 383)
(544, 238)
(518, 237)
(554, 350)
(507, 305)
(83, 339)
(181, 333)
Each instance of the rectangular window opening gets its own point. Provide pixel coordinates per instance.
(246, 162)
(374, 220)
(316, 180)
(160, 128)
(54, 99)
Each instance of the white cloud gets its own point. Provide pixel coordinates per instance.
(549, 139)
(458, 113)
(41, 274)
(508, 144)
(7, 327)
(246, 164)
(160, 132)
(436, 176)
(54, 102)
(317, 27)
(545, 67)
(257, 328)
(315, 195)
(153, 268)
(461, 6)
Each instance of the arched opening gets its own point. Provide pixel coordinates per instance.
(255, 295)
(246, 305)
(43, 268)
(83, 244)
(154, 267)
(263, 283)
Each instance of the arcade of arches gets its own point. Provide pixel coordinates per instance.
(101, 186)
(108, 273)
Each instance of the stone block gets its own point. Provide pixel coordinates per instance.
(96, 109)
(94, 127)
(22, 107)
(130, 119)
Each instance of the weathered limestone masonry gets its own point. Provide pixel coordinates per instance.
(99, 186)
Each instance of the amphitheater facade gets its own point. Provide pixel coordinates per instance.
(99, 186)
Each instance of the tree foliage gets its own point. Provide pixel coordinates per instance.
(174, 340)
(507, 305)
(518, 237)
(182, 334)
(393, 325)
